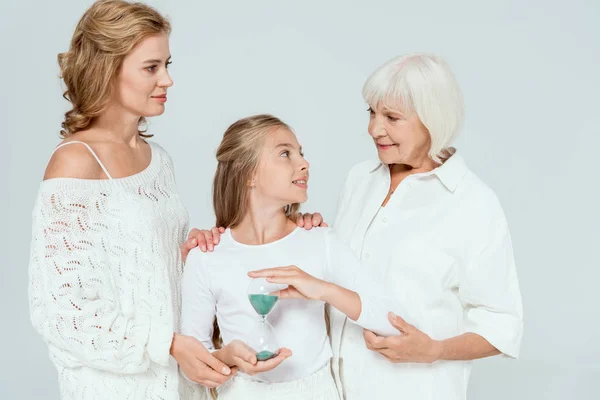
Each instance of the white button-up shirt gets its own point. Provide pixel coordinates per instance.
(443, 248)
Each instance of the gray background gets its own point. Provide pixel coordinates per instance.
(530, 78)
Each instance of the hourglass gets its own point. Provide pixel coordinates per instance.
(262, 337)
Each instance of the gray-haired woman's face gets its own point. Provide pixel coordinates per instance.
(399, 139)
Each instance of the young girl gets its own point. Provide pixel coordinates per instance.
(260, 181)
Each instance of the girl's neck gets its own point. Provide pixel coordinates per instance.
(262, 226)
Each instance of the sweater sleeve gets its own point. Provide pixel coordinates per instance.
(73, 296)
(198, 305)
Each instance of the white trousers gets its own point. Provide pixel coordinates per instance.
(318, 386)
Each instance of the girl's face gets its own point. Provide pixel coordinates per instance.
(282, 174)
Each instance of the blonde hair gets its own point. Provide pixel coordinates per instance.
(421, 84)
(238, 156)
(105, 34)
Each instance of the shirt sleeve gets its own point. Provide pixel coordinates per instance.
(489, 291)
(344, 269)
(74, 300)
(198, 305)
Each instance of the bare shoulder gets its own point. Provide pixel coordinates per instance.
(73, 161)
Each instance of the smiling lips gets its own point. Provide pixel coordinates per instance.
(301, 183)
(385, 146)
(161, 98)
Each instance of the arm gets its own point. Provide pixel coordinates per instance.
(198, 307)
(74, 303)
(345, 285)
(489, 292)
(468, 346)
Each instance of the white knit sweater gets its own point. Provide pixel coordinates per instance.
(104, 289)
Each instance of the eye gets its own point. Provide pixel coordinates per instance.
(286, 153)
(392, 119)
(371, 111)
(168, 63)
(151, 68)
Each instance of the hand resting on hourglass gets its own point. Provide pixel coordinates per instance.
(302, 285)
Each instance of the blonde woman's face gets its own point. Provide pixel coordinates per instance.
(399, 139)
(282, 175)
(144, 78)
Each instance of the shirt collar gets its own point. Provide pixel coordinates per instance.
(450, 173)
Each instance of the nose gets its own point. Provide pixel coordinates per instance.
(165, 80)
(376, 128)
(304, 165)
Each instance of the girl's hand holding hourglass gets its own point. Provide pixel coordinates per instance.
(239, 354)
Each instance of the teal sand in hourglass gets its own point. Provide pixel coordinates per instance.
(263, 303)
(262, 337)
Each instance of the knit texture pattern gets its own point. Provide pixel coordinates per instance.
(104, 281)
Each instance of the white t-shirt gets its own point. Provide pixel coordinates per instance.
(217, 284)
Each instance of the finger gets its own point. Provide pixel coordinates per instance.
(390, 355)
(193, 233)
(372, 340)
(284, 280)
(245, 361)
(324, 225)
(191, 243)
(262, 366)
(209, 374)
(369, 338)
(277, 271)
(289, 293)
(201, 239)
(300, 220)
(247, 354)
(399, 323)
(208, 237)
(317, 219)
(245, 366)
(308, 221)
(214, 363)
(213, 384)
(216, 235)
(221, 229)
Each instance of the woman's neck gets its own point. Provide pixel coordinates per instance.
(263, 225)
(118, 126)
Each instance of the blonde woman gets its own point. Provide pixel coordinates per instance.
(108, 222)
(260, 181)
